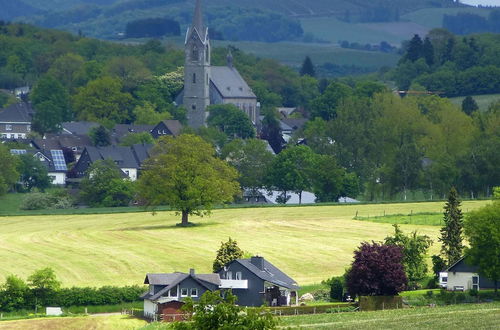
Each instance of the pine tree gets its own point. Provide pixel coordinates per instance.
(415, 49)
(227, 252)
(428, 51)
(469, 105)
(307, 68)
(451, 234)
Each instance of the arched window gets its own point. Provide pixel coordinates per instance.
(195, 55)
(207, 54)
(194, 78)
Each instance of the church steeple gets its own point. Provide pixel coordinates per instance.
(198, 19)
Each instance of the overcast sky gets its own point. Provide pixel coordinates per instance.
(482, 2)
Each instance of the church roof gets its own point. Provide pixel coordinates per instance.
(230, 83)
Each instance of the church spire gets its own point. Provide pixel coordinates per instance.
(198, 19)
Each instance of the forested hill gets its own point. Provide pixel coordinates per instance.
(108, 18)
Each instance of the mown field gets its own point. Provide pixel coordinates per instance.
(309, 243)
(483, 316)
(117, 322)
(483, 101)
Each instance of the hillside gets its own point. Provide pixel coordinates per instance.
(308, 243)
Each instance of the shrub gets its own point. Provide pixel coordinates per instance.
(36, 201)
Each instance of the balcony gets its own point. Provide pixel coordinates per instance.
(234, 284)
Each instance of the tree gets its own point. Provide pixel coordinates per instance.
(51, 101)
(415, 48)
(414, 249)
(34, 174)
(8, 171)
(291, 171)
(184, 173)
(307, 68)
(104, 185)
(377, 270)
(438, 265)
(227, 252)
(337, 288)
(136, 138)
(130, 70)
(252, 160)
(44, 285)
(146, 114)
(451, 233)
(67, 70)
(100, 136)
(325, 105)
(230, 120)
(103, 101)
(469, 105)
(217, 311)
(482, 230)
(428, 51)
(13, 294)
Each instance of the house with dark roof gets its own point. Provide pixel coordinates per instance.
(128, 159)
(258, 282)
(15, 121)
(73, 142)
(52, 159)
(462, 276)
(167, 292)
(167, 127)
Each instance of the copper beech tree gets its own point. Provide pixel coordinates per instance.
(184, 173)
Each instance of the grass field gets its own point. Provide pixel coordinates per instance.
(117, 322)
(427, 219)
(483, 101)
(483, 316)
(433, 17)
(309, 243)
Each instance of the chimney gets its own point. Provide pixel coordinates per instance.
(191, 272)
(257, 262)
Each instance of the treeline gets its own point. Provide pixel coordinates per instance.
(468, 23)
(455, 66)
(44, 289)
(152, 27)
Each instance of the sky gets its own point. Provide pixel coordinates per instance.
(482, 2)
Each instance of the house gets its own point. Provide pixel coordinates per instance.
(256, 282)
(15, 121)
(463, 276)
(78, 127)
(120, 131)
(128, 159)
(205, 84)
(167, 127)
(167, 292)
(52, 159)
(75, 143)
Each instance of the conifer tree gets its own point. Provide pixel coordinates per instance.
(415, 48)
(469, 105)
(307, 68)
(428, 51)
(451, 233)
(227, 252)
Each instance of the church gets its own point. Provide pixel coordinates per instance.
(205, 84)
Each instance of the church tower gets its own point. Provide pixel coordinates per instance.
(197, 70)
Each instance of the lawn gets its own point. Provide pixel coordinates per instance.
(482, 316)
(309, 243)
(483, 101)
(118, 322)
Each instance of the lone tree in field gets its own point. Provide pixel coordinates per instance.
(451, 233)
(377, 270)
(184, 173)
(227, 252)
(482, 229)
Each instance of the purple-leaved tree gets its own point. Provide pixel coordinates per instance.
(377, 270)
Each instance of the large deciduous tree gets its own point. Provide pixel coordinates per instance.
(377, 270)
(34, 174)
(184, 173)
(227, 252)
(451, 233)
(8, 171)
(44, 285)
(414, 250)
(482, 230)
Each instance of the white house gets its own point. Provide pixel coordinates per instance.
(463, 276)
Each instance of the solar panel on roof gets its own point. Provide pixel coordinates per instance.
(18, 151)
(58, 159)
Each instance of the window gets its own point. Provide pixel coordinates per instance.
(194, 78)
(444, 279)
(195, 55)
(194, 292)
(475, 282)
(184, 292)
(193, 107)
(8, 127)
(28, 128)
(238, 275)
(229, 275)
(172, 292)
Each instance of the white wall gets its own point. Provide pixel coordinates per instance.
(150, 307)
(58, 178)
(460, 279)
(132, 173)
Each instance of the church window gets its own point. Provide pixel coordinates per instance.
(194, 78)
(193, 107)
(207, 54)
(207, 78)
(196, 54)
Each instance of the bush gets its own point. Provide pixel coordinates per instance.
(58, 199)
(337, 288)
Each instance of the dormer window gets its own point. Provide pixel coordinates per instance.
(194, 292)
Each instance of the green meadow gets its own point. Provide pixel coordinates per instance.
(483, 101)
(310, 243)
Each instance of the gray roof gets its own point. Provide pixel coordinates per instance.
(122, 156)
(48, 161)
(295, 123)
(55, 141)
(121, 130)
(142, 152)
(78, 128)
(229, 82)
(174, 126)
(17, 113)
(270, 273)
(170, 280)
